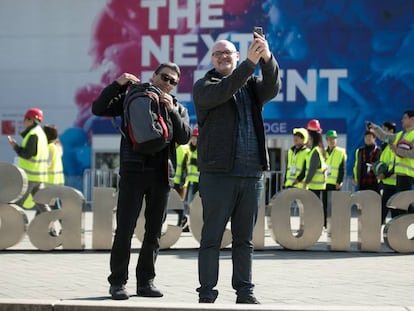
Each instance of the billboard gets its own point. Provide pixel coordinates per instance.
(342, 62)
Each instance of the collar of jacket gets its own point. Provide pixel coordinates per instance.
(27, 130)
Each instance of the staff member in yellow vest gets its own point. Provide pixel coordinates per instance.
(335, 167)
(402, 144)
(32, 155)
(296, 159)
(55, 174)
(315, 179)
(388, 180)
(183, 154)
(191, 180)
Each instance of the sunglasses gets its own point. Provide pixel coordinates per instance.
(167, 78)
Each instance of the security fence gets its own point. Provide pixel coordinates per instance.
(98, 178)
(110, 178)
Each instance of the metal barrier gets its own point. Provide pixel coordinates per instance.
(110, 178)
(273, 184)
(98, 178)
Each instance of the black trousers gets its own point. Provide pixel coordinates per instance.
(329, 187)
(387, 192)
(404, 183)
(133, 188)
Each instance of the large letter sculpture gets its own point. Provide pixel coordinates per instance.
(13, 220)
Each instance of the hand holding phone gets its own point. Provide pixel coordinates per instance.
(12, 142)
(258, 30)
(259, 46)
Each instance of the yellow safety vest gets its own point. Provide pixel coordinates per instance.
(192, 172)
(318, 181)
(404, 166)
(333, 161)
(36, 166)
(55, 170)
(181, 152)
(388, 157)
(295, 165)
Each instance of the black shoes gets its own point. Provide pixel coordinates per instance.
(209, 297)
(118, 292)
(248, 300)
(206, 300)
(149, 291)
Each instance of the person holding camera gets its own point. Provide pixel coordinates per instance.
(142, 176)
(388, 180)
(363, 176)
(231, 158)
(402, 145)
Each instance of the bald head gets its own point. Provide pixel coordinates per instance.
(224, 44)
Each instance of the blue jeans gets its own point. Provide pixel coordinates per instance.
(223, 197)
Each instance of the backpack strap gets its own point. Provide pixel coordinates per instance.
(161, 120)
(117, 127)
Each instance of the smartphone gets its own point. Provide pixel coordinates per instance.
(258, 30)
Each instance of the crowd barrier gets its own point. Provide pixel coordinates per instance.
(102, 178)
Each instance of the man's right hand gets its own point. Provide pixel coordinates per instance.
(126, 77)
(12, 142)
(259, 48)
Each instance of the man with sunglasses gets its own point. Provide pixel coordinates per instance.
(142, 175)
(231, 158)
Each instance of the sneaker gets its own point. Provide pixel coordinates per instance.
(55, 229)
(184, 224)
(53, 233)
(118, 292)
(248, 300)
(183, 221)
(149, 291)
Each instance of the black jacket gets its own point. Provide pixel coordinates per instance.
(30, 150)
(217, 114)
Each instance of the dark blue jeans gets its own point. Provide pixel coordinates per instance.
(134, 186)
(224, 197)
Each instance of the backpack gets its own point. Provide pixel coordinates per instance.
(145, 127)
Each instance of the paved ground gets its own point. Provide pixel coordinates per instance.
(315, 277)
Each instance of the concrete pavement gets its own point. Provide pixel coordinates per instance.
(315, 279)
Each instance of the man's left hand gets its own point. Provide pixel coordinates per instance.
(168, 101)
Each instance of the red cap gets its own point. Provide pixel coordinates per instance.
(34, 113)
(195, 132)
(314, 125)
